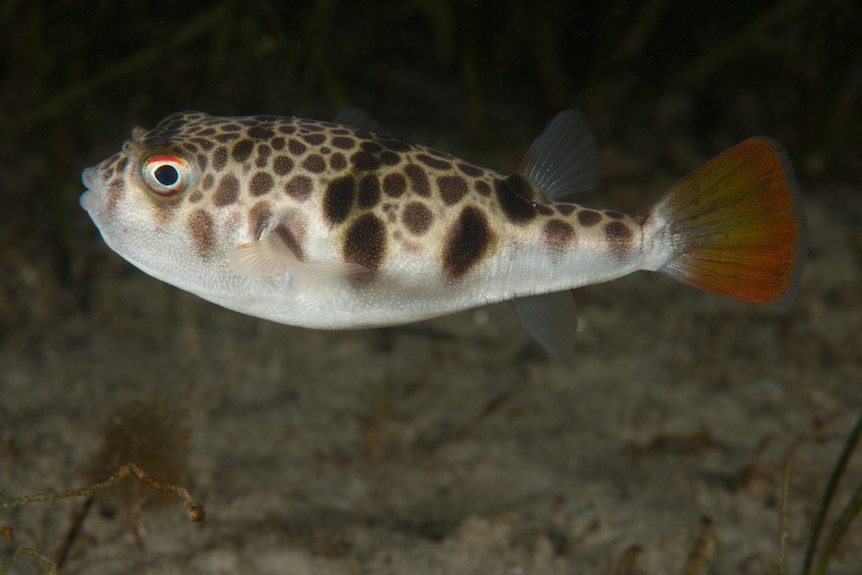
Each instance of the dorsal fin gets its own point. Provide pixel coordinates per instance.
(564, 160)
(357, 118)
(552, 320)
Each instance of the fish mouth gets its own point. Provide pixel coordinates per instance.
(88, 199)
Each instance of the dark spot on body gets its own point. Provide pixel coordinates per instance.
(227, 191)
(287, 237)
(261, 183)
(287, 129)
(588, 217)
(418, 179)
(121, 165)
(388, 158)
(338, 199)
(220, 158)
(364, 161)
(432, 162)
(196, 196)
(258, 217)
(370, 147)
(203, 162)
(200, 227)
(521, 186)
(470, 170)
(468, 242)
(343, 142)
(314, 164)
(206, 132)
(544, 210)
(565, 209)
(277, 143)
(224, 138)
(417, 218)
(395, 145)
(620, 237)
(242, 150)
(299, 187)
(516, 208)
(208, 182)
(482, 188)
(205, 144)
(314, 139)
(263, 152)
(190, 147)
(114, 194)
(558, 234)
(281, 165)
(296, 147)
(369, 191)
(365, 242)
(337, 161)
(312, 126)
(452, 189)
(394, 185)
(340, 131)
(260, 133)
(231, 128)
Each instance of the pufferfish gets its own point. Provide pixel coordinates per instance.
(334, 225)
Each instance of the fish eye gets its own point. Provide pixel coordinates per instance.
(166, 176)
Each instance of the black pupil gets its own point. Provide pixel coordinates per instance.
(167, 175)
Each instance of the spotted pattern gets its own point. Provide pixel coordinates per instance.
(282, 165)
(589, 218)
(338, 199)
(394, 185)
(261, 184)
(468, 242)
(378, 193)
(369, 192)
(452, 189)
(258, 217)
(242, 150)
(418, 180)
(365, 242)
(515, 206)
(558, 234)
(115, 192)
(287, 237)
(201, 229)
(417, 218)
(620, 237)
(299, 187)
(227, 191)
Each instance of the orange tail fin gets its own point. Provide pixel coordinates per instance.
(736, 225)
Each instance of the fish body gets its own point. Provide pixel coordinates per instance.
(337, 226)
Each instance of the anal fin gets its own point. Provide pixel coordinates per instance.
(552, 320)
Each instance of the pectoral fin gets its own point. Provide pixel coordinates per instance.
(275, 253)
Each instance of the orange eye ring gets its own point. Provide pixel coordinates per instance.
(165, 175)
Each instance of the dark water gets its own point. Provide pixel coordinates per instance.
(455, 445)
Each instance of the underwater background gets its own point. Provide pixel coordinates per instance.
(455, 445)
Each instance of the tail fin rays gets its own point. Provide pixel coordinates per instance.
(736, 225)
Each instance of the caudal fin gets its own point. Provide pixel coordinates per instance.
(736, 226)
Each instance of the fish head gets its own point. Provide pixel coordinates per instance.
(157, 204)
